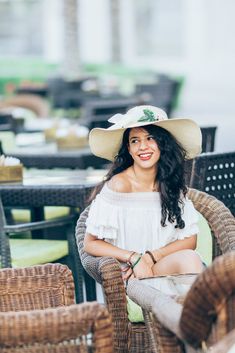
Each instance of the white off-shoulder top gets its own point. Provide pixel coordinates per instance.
(132, 221)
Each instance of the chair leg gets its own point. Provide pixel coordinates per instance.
(90, 286)
(75, 265)
(37, 214)
(81, 277)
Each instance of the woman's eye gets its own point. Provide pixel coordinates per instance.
(150, 138)
(134, 141)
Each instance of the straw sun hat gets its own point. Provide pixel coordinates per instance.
(106, 143)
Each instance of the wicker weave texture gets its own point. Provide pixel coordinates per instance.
(38, 314)
(166, 341)
(43, 195)
(36, 287)
(62, 329)
(211, 297)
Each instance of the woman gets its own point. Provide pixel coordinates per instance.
(140, 214)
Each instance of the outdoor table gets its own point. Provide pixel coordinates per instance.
(74, 159)
(53, 187)
(158, 306)
(43, 155)
(41, 188)
(47, 157)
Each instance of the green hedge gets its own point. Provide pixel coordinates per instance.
(14, 71)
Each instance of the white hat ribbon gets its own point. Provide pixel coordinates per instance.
(128, 119)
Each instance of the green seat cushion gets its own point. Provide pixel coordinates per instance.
(134, 311)
(51, 212)
(204, 241)
(29, 252)
(204, 248)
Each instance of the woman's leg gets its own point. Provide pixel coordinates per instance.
(183, 261)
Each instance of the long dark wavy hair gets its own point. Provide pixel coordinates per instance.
(170, 174)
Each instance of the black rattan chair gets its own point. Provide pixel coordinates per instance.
(214, 173)
(208, 145)
(163, 93)
(98, 111)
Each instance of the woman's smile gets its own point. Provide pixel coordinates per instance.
(145, 156)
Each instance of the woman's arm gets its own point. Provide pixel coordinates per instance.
(186, 243)
(98, 247)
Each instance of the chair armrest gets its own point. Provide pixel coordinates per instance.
(210, 301)
(107, 271)
(57, 325)
(219, 218)
(17, 228)
(115, 296)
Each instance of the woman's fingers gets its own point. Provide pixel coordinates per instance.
(127, 274)
(125, 268)
(143, 270)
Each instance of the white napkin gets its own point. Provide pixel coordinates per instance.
(8, 161)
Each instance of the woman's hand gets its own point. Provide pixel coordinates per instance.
(126, 272)
(143, 268)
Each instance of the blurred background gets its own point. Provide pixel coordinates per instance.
(177, 54)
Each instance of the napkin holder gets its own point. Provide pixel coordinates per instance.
(50, 134)
(11, 173)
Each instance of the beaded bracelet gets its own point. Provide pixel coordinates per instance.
(151, 255)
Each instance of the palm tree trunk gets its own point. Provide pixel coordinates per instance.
(115, 31)
(71, 62)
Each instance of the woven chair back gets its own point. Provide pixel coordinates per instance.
(214, 173)
(36, 287)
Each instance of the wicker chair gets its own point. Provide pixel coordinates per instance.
(133, 337)
(38, 314)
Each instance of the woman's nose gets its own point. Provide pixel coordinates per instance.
(143, 144)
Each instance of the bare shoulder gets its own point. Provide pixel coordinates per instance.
(120, 183)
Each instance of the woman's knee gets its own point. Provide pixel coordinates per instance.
(190, 261)
(183, 261)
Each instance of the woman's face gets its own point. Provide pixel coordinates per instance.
(143, 148)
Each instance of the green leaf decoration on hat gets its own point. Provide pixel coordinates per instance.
(148, 116)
